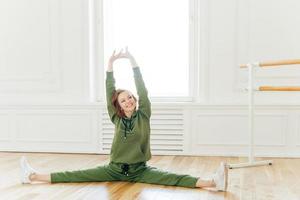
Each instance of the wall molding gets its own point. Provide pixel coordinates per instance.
(89, 120)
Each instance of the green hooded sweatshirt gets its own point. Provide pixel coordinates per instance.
(131, 143)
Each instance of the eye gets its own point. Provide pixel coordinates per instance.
(130, 97)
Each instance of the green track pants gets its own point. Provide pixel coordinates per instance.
(138, 172)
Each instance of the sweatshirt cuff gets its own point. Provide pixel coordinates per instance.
(109, 75)
(137, 71)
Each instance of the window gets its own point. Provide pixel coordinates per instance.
(157, 34)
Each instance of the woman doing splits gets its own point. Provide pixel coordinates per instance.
(131, 143)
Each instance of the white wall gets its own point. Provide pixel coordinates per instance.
(45, 82)
(44, 52)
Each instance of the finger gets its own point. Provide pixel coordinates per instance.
(120, 52)
(113, 54)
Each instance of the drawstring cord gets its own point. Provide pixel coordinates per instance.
(126, 126)
(125, 168)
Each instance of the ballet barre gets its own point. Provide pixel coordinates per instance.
(279, 88)
(251, 161)
(274, 63)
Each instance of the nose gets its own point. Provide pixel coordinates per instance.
(128, 102)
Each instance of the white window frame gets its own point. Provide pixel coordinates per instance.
(96, 10)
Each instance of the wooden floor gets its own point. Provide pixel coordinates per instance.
(280, 181)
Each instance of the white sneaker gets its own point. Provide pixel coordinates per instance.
(221, 177)
(26, 170)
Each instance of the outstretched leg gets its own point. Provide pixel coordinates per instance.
(154, 176)
(98, 174)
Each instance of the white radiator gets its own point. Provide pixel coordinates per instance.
(167, 132)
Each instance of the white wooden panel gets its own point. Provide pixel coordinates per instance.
(208, 130)
(69, 129)
(222, 35)
(5, 132)
(220, 129)
(270, 129)
(44, 51)
(29, 51)
(54, 127)
(232, 129)
(297, 131)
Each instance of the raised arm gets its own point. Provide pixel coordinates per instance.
(144, 102)
(110, 86)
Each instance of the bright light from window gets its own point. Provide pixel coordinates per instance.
(156, 32)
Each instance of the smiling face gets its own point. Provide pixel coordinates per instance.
(127, 101)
